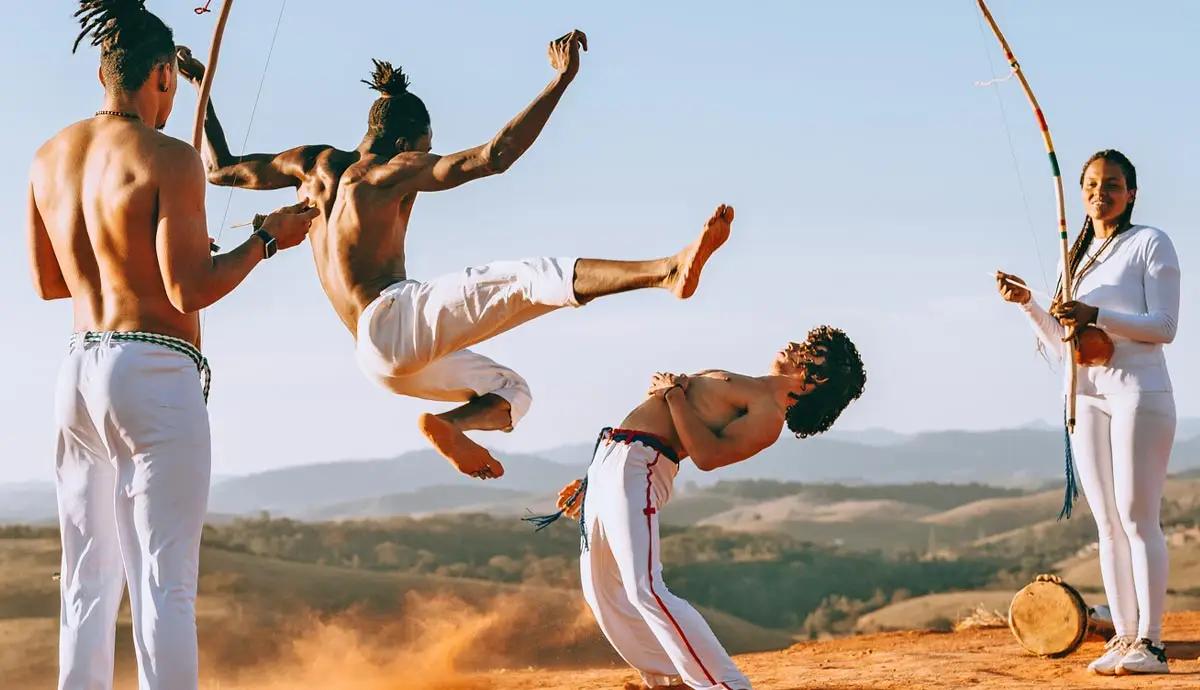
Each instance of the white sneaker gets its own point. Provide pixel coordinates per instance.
(1143, 657)
(1114, 652)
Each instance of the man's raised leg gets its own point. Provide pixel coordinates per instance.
(679, 273)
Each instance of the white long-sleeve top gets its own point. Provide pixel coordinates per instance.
(1135, 285)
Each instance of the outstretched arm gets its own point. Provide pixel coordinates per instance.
(194, 279)
(252, 170)
(48, 277)
(438, 173)
(741, 439)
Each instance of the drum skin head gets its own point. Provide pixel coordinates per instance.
(1048, 618)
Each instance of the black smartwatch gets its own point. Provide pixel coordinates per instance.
(269, 244)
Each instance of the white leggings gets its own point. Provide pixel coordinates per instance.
(1122, 444)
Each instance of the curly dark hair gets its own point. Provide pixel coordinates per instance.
(397, 113)
(844, 376)
(132, 40)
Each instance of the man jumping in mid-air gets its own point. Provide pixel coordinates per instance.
(412, 336)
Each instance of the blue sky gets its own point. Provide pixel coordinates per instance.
(875, 188)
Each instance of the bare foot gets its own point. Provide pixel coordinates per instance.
(467, 456)
(488, 412)
(691, 261)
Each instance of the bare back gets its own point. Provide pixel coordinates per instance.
(718, 397)
(358, 239)
(95, 186)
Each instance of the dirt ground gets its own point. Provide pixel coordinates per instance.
(971, 659)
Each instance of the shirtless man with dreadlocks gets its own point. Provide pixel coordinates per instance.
(116, 224)
(715, 418)
(412, 335)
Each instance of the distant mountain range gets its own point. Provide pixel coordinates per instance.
(297, 491)
(421, 482)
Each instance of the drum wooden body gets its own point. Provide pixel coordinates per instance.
(1048, 618)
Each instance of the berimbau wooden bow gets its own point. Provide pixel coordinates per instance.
(1065, 276)
(214, 53)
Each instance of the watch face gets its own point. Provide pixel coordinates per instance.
(269, 244)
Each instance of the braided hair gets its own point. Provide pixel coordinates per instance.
(132, 40)
(397, 113)
(844, 379)
(1088, 233)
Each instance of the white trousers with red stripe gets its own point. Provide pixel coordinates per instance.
(656, 632)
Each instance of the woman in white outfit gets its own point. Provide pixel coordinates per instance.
(1126, 285)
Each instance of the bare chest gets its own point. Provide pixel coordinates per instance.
(719, 398)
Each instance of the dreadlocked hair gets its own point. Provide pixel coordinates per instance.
(132, 40)
(844, 379)
(1088, 233)
(397, 113)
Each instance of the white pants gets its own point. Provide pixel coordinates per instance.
(133, 465)
(1122, 444)
(412, 339)
(656, 632)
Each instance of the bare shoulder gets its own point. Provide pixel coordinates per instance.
(176, 156)
(59, 157)
(737, 389)
(64, 140)
(309, 156)
(169, 147)
(317, 152)
(42, 157)
(322, 159)
(411, 162)
(391, 172)
(47, 150)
